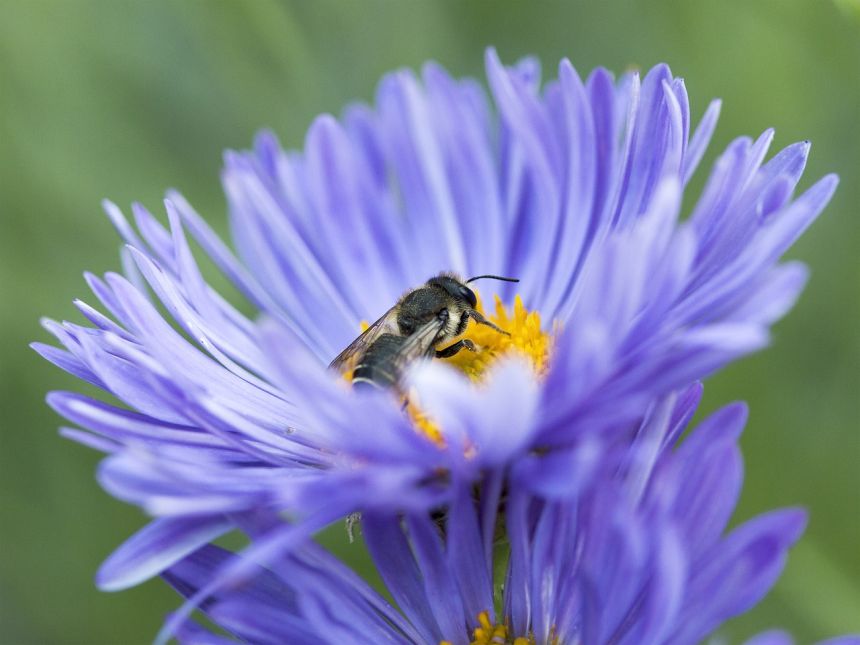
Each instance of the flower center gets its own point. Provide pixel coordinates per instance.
(526, 339)
(494, 634)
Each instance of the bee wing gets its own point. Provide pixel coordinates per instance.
(420, 343)
(387, 324)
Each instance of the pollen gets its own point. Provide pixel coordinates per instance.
(489, 633)
(423, 423)
(527, 339)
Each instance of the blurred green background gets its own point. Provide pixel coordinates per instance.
(124, 99)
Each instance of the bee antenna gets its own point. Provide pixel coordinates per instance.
(493, 277)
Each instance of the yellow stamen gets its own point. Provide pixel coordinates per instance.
(497, 634)
(526, 339)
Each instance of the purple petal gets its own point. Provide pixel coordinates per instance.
(466, 555)
(663, 595)
(396, 564)
(701, 138)
(738, 572)
(260, 553)
(156, 547)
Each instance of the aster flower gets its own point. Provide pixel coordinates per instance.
(574, 187)
(639, 555)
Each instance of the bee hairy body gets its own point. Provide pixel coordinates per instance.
(420, 306)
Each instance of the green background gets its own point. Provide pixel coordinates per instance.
(125, 99)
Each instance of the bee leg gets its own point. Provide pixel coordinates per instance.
(448, 352)
(479, 318)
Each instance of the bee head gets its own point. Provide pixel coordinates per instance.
(455, 289)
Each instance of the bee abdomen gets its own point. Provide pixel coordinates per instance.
(377, 366)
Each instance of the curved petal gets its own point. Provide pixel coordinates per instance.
(157, 547)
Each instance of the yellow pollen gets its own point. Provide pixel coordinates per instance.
(423, 423)
(526, 339)
(488, 633)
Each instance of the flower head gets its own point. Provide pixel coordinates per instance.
(574, 187)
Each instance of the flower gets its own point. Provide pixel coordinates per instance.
(575, 188)
(640, 555)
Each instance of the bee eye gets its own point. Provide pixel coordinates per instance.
(469, 296)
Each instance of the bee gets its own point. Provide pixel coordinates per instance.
(423, 319)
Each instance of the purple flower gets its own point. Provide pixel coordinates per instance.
(574, 187)
(640, 555)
